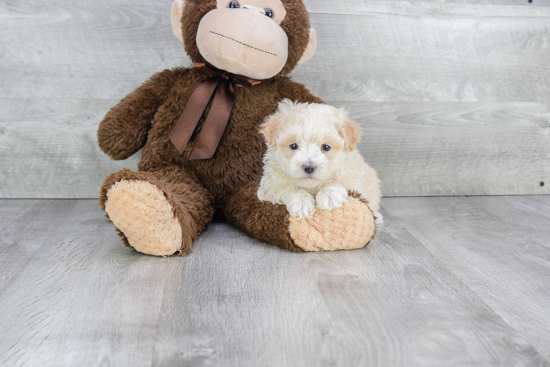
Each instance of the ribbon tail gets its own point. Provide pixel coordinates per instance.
(182, 131)
(214, 126)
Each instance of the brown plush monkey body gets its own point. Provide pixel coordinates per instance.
(163, 208)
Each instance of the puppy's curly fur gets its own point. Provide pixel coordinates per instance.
(312, 160)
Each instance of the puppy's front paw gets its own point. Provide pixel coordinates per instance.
(301, 206)
(332, 197)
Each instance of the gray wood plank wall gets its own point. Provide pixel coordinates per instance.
(453, 96)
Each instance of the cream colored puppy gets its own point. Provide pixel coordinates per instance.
(312, 158)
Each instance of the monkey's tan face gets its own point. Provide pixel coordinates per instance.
(244, 37)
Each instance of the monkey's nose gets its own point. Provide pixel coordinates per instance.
(309, 168)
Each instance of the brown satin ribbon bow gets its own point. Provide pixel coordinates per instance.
(222, 84)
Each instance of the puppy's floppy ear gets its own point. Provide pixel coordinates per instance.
(351, 133)
(177, 11)
(270, 129)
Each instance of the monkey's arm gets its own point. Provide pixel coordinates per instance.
(297, 92)
(124, 129)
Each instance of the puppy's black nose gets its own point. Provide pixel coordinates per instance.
(309, 168)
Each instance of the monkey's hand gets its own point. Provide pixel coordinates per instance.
(124, 129)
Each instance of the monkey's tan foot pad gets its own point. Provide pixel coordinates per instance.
(350, 227)
(142, 213)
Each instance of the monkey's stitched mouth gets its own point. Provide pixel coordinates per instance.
(244, 44)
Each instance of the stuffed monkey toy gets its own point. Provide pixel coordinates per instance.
(198, 127)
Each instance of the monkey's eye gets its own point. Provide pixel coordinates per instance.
(294, 146)
(269, 13)
(325, 147)
(234, 5)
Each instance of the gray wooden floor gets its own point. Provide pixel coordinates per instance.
(461, 281)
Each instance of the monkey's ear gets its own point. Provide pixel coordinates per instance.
(351, 133)
(270, 129)
(177, 11)
(311, 47)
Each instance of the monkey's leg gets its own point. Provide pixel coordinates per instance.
(349, 227)
(159, 212)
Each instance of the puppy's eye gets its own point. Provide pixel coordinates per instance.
(234, 5)
(294, 146)
(325, 147)
(269, 13)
